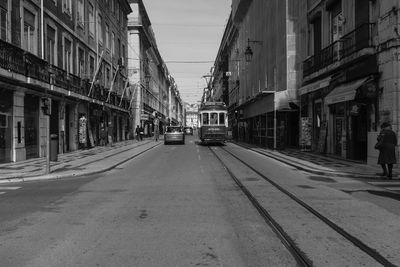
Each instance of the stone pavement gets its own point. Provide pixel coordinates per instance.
(103, 158)
(76, 163)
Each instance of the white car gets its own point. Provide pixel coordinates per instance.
(174, 134)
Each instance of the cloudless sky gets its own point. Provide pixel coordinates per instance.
(188, 31)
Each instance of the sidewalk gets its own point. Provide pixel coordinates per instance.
(80, 162)
(320, 164)
(103, 158)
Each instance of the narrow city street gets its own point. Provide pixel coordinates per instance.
(173, 206)
(199, 133)
(176, 205)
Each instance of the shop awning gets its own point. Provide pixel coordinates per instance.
(315, 86)
(344, 92)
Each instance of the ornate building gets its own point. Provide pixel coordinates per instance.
(156, 93)
(70, 55)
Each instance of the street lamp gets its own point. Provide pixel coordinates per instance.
(248, 54)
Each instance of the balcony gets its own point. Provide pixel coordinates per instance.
(12, 58)
(349, 44)
(16, 60)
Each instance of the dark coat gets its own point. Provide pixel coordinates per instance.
(387, 152)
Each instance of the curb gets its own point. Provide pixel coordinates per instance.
(309, 169)
(62, 176)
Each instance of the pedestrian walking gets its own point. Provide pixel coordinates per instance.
(141, 133)
(156, 129)
(137, 131)
(103, 135)
(386, 143)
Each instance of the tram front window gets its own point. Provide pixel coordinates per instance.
(205, 119)
(214, 118)
(222, 118)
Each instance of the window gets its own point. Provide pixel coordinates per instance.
(51, 45)
(81, 12)
(123, 54)
(91, 20)
(117, 10)
(67, 6)
(222, 118)
(205, 118)
(214, 118)
(336, 21)
(108, 78)
(337, 28)
(81, 62)
(119, 48)
(3, 24)
(67, 55)
(113, 43)
(112, 6)
(107, 37)
(99, 28)
(29, 32)
(91, 66)
(317, 35)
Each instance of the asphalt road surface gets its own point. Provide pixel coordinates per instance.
(172, 206)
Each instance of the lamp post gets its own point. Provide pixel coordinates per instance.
(248, 54)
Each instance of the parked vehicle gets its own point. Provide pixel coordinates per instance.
(188, 130)
(213, 122)
(174, 134)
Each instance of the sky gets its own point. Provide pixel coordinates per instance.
(188, 34)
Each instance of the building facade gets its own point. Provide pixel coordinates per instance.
(191, 115)
(329, 69)
(70, 54)
(156, 95)
(257, 72)
(350, 75)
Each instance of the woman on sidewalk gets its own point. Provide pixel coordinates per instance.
(387, 141)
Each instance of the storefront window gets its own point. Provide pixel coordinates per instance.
(5, 125)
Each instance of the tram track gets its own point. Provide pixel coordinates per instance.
(288, 242)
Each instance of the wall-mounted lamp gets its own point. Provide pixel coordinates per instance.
(248, 54)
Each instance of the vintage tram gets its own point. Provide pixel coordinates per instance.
(213, 122)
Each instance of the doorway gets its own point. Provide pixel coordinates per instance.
(31, 119)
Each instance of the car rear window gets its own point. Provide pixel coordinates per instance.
(173, 129)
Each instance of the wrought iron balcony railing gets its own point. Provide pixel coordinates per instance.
(356, 40)
(12, 58)
(37, 68)
(15, 59)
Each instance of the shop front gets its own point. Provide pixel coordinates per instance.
(353, 113)
(6, 107)
(83, 135)
(267, 118)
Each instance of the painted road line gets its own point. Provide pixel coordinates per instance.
(9, 187)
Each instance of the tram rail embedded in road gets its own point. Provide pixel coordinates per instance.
(287, 241)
